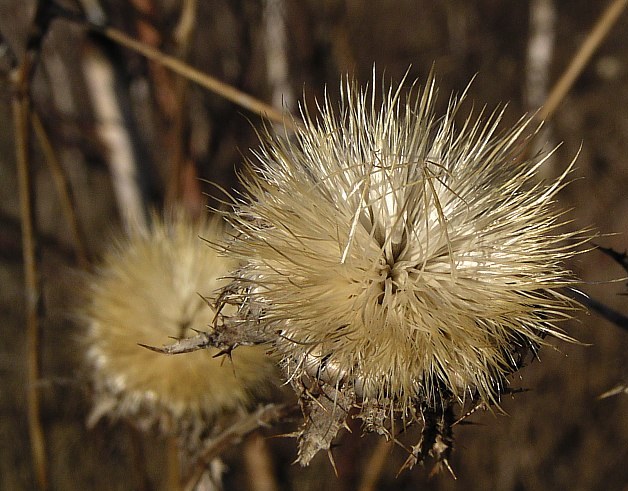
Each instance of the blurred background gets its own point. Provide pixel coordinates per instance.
(131, 136)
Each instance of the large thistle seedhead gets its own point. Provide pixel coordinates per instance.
(148, 291)
(397, 260)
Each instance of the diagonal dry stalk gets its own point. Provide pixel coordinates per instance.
(608, 18)
(181, 68)
(593, 40)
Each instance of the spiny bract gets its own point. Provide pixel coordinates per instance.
(396, 255)
(148, 290)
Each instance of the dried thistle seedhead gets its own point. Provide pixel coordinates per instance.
(397, 259)
(147, 291)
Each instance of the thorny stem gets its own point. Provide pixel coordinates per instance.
(579, 61)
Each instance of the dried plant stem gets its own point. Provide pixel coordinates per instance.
(33, 301)
(263, 416)
(64, 191)
(173, 463)
(179, 189)
(259, 464)
(21, 112)
(591, 43)
(227, 91)
(375, 465)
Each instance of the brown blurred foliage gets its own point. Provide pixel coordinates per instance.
(559, 435)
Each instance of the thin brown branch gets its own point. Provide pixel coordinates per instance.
(263, 416)
(206, 81)
(68, 204)
(11, 241)
(22, 76)
(600, 30)
(21, 112)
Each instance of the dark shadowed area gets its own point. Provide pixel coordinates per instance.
(557, 435)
